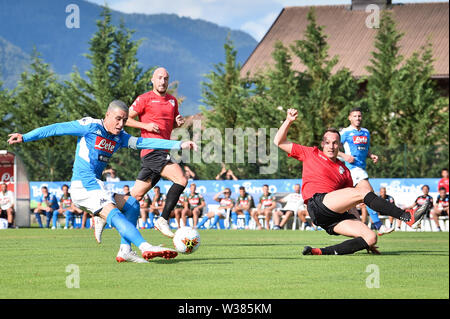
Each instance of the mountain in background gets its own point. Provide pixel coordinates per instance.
(188, 48)
(13, 61)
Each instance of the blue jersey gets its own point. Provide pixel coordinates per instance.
(356, 143)
(95, 146)
(49, 201)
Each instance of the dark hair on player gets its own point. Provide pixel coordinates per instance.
(355, 109)
(425, 186)
(242, 187)
(332, 130)
(64, 185)
(442, 188)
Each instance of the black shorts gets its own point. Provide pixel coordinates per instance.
(152, 164)
(322, 216)
(3, 214)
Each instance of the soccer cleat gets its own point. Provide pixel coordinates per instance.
(158, 251)
(163, 226)
(417, 215)
(99, 224)
(130, 256)
(307, 250)
(385, 230)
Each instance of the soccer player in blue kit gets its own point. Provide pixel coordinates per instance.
(356, 142)
(97, 141)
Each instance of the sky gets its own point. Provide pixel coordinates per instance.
(252, 16)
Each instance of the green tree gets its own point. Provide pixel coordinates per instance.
(273, 92)
(5, 115)
(36, 102)
(115, 74)
(404, 111)
(385, 62)
(223, 93)
(326, 94)
(419, 121)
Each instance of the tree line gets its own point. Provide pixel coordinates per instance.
(402, 106)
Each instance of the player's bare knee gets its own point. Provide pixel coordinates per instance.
(370, 238)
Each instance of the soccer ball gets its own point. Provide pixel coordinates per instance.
(186, 240)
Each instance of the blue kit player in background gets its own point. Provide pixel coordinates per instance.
(48, 205)
(356, 142)
(97, 141)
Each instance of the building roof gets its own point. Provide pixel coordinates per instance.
(352, 41)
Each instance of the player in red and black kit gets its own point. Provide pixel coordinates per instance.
(329, 193)
(158, 116)
(441, 206)
(422, 200)
(443, 182)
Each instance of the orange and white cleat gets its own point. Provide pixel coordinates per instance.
(163, 226)
(159, 251)
(418, 214)
(385, 230)
(129, 256)
(99, 225)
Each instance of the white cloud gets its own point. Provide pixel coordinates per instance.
(258, 28)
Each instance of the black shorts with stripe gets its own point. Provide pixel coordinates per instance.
(324, 217)
(152, 164)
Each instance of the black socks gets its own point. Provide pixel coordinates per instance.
(384, 207)
(172, 197)
(347, 247)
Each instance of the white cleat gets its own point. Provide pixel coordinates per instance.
(151, 252)
(385, 230)
(129, 256)
(99, 224)
(163, 226)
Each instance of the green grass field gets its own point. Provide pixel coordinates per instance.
(228, 264)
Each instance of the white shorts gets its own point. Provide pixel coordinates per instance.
(293, 206)
(91, 201)
(358, 174)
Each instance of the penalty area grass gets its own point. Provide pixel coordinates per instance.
(229, 264)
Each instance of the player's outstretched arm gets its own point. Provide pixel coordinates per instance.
(158, 143)
(57, 129)
(280, 139)
(15, 138)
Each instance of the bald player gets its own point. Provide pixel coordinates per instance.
(157, 113)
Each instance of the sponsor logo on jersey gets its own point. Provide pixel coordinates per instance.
(359, 139)
(341, 170)
(103, 158)
(172, 102)
(103, 144)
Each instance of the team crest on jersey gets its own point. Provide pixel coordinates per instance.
(172, 102)
(103, 144)
(341, 170)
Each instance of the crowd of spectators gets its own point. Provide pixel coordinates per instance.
(242, 211)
